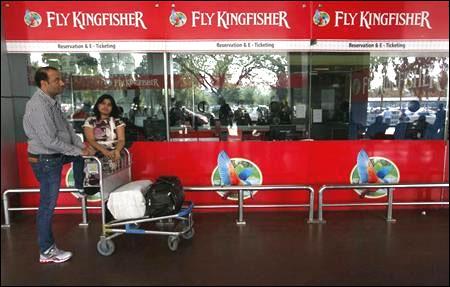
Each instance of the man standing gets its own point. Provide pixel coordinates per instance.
(51, 144)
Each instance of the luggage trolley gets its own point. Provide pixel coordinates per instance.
(175, 226)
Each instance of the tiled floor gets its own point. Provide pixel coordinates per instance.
(273, 248)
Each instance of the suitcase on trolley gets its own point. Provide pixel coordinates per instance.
(166, 198)
(128, 201)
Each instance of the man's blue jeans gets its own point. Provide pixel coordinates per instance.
(48, 173)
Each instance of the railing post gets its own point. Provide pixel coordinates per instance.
(389, 208)
(6, 210)
(240, 220)
(311, 206)
(320, 206)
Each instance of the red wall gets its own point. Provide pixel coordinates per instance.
(286, 162)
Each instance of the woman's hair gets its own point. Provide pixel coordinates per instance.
(114, 111)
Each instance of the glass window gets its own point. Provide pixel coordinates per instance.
(254, 96)
(378, 96)
(220, 97)
(407, 97)
(333, 97)
(135, 80)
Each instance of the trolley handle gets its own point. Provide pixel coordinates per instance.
(185, 211)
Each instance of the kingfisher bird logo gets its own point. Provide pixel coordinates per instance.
(235, 171)
(373, 170)
(177, 19)
(321, 18)
(32, 19)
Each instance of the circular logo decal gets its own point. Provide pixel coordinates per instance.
(70, 182)
(32, 19)
(177, 19)
(321, 18)
(384, 171)
(244, 169)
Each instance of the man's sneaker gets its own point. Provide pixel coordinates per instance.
(53, 254)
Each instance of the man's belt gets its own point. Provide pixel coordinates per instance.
(43, 156)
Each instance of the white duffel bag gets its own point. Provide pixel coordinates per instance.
(128, 201)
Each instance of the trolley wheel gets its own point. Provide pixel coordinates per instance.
(106, 247)
(189, 234)
(173, 242)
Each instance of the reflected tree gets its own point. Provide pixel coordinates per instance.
(75, 63)
(223, 75)
(414, 75)
(117, 64)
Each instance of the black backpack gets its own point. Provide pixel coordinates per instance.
(164, 197)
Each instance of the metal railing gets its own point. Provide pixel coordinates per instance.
(7, 209)
(241, 189)
(390, 193)
(123, 163)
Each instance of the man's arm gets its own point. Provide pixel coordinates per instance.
(76, 140)
(42, 123)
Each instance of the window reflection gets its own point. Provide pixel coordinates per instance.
(259, 96)
(365, 96)
(239, 97)
(135, 80)
(407, 95)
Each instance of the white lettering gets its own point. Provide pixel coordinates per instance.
(283, 19)
(338, 16)
(226, 19)
(50, 18)
(363, 19)
(220, 20)
(209, 18)
(368, 19)
(82, 20)
(76, 20)
(425, 15)
(65, 18)
(139, 21)
(352, 17)
(195, 17)
(204, 18)
(346, 18)
(59, 18)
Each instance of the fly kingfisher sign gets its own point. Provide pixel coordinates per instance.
(395, 20)
(145, 26)
(81, 20)
(226, 19)
(368, 19)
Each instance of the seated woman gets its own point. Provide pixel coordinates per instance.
(105, 132)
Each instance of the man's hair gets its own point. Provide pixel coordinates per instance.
(41, 75)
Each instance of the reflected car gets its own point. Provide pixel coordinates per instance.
(430, 115)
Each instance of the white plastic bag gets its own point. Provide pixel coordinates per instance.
(128, 201)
